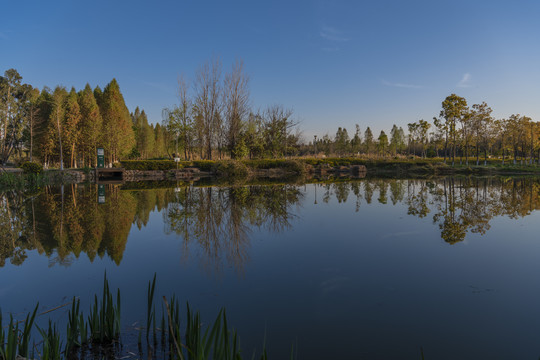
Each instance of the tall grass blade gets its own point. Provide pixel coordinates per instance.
(150, 311)
(25, 338)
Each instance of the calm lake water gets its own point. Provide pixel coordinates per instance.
(370, 268)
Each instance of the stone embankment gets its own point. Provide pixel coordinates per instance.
(158, 175)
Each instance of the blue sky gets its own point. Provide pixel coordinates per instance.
(336, 63)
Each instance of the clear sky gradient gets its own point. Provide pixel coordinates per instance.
(336, 63)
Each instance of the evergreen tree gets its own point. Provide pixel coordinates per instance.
(341, 141)
(368, 140)
(98, 95)
(382, 142)
(55, 126)
(118, 135)
(41, 138)
(71, 128)
(159, 144)
(91, 126)
(395, 139)
(356, 141)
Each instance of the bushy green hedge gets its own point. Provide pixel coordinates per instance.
(31, 167)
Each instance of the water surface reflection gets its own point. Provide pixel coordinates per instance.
(216, 222)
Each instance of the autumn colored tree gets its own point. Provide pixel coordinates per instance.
(55, 126)
(32, 111)
(71, 127)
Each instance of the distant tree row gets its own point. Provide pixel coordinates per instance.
(63, 127)
(459, 131)
(214, 119)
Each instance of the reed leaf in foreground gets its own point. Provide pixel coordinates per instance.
(150, 311)
(25, 337)
(15, 345)
(217, 342)
(51, 349)
(9, 344)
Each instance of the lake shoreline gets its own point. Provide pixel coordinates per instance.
(233, 171)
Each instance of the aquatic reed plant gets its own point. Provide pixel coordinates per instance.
(104, 318)
(193, 342)
(52, 345)
(9, 340)
(77, 328)
(14, 342)
(216, 342)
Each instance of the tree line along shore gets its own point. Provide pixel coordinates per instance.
(214, 120)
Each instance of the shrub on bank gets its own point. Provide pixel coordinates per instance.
(31, 167)
(232, 169)
(295, 166)
(203, 165)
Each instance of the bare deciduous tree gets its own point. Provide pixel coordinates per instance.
(207, 100)
(236, 104)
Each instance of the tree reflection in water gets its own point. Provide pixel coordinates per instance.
(217, 222)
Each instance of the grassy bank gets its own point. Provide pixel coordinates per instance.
(28, 181)
(434, 166)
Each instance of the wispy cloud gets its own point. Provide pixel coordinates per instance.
(402, 85)
(465, 81)
(332, 34)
